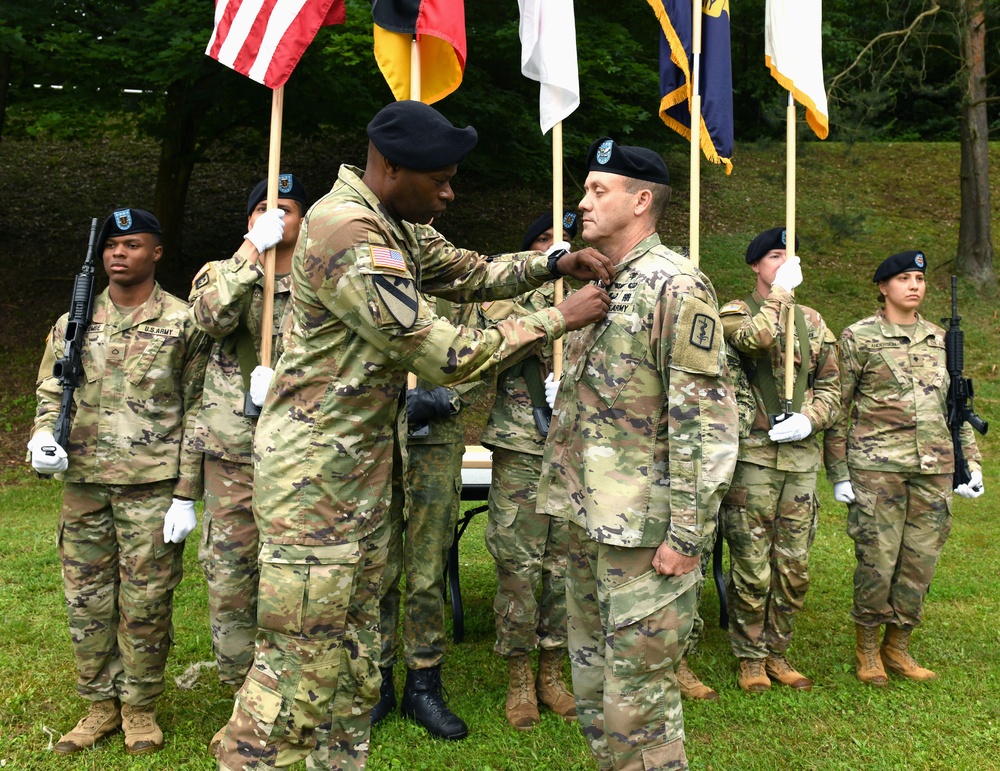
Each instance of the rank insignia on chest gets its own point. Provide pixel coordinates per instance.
(399, 296)
(702, 331)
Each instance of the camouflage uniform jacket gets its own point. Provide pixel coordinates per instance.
(511, 424)
(449, 428)
(763, 334)
(134, 412)
(894, 393)
(324, 442)
(644, 435)
(222, 294)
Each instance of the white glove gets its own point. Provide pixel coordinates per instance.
(974, 488)
(260, 381)
(789, 275)
(564, 245)
(267, 230)
(551, 389)
(47, 457)
(843, 492)
(179, 521)
(792, 429)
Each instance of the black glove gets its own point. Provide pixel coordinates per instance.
(423, 405)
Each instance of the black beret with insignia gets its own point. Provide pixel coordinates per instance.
(770, 239)
(904, 262)
(415, 135)
(635, 162)
(289, 186)
(543, 223)
(123, 222)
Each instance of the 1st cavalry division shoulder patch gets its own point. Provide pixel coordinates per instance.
(399, 296)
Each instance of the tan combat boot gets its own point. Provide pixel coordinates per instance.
(896, 656)
(522, 705)
(868, 663)
(752, 678)
(102, 718)
(777, 668)
(691, 687)
(142, 734)
(549, 685)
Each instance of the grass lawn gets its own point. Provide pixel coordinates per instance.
(858, 204)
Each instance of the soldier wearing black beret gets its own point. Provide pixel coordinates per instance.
(329, 478)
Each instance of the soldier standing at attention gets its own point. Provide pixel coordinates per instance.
(327, 459)
(131, 479)
(426, 515)
(891, 459)
(227, 300)
(642, 445)
(529, 547)
(769, 514)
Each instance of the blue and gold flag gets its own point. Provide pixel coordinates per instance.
(716, 81)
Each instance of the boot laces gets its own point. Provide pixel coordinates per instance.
(140, 719)
(96, 716)
(686, 677)
(522, 684)
(755, 667)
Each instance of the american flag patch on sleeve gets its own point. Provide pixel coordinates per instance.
(390, 259)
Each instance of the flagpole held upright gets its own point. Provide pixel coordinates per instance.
(273, 170)
(790, 136)
(694, 226)
(557, 233)
(411, 378)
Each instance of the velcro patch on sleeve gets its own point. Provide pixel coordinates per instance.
(697, 338)
(201, 278)
(731, 308)
(384, 258)
(398, 297)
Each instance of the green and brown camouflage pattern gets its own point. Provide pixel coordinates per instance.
(645, 429)
(133, 414)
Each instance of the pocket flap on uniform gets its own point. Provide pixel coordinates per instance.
(502, 509)
(640, 597)
(735, 496)
(260, 701)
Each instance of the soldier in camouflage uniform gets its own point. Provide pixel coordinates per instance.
(529, 547)
(891, 460)
(131, 478)
(642, 444)
(769, 514)
(227, 299)
(432, 486)
(327, 460)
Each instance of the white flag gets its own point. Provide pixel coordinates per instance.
(793, 51)
(548, 55)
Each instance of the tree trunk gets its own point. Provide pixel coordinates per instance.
(178, 152)
(975, 243)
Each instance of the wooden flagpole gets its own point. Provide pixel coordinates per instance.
(695, 221)
(790, 247)
(273, 170)
(411, 379)
(557, 233)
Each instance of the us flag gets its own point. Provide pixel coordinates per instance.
(264, 39)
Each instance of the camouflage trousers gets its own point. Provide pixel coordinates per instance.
(316, 652)
(228, 556)
(530, 551)
(628, 627)
(418, 548)
(698, 622)
(899, 524)
(769, 520)
(119, 579)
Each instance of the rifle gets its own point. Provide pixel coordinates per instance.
(960, 390)
(69, 369)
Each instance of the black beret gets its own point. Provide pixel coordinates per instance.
(543, 223)
(904, 262)
(415, 135)
(122, 222)
(770, 239)
(634, 162)
(289, 186)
